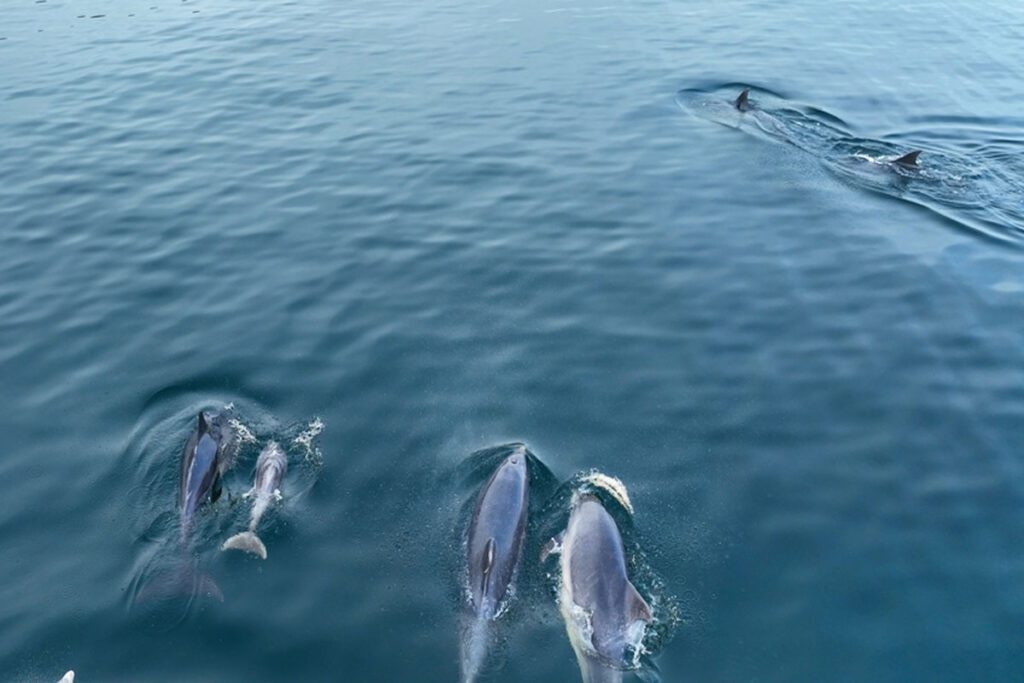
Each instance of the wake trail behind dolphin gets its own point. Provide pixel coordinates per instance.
(974, 191)
(475, 638)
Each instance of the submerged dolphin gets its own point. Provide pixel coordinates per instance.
(604, 614)
(494, 545)
(266, 488)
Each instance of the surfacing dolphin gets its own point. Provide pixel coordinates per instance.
(605, 616)
(266, 489)
(494, 545)
(208, 453)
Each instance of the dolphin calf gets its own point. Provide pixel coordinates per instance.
(266, 488)
(494, 545)
(604, 614)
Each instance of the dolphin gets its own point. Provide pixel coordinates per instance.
(208, 453)
(266, 488)
(494, 545)
(604, 613)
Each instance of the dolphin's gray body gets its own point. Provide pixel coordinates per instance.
(603, 612)
(208, 453)
(266, 488)
(494, 546)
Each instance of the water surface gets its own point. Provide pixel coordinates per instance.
(441, 227)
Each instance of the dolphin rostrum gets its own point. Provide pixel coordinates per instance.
(266, 488)
(494, 545)
(604, 614)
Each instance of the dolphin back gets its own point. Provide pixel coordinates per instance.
(496, 534)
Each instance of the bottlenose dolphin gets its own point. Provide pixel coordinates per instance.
(604, 614)
(494, 545)
(266, 488)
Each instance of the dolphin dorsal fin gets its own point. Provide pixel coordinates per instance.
(743, 101)
(203, 427)
(487, 562)
(908, 159)
(636, 607)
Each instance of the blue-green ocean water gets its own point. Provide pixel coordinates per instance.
(443, 226)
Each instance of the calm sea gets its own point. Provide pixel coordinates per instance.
(436, 227)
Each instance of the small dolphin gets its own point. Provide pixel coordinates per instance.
(266, 488)
(604, 614)
(495, 542)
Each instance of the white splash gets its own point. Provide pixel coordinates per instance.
(612, 485)
(243, 433)
(306, 439)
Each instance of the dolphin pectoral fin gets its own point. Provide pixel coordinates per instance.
(552, 547)
(908, 159)
(636, 607)
(742, 102)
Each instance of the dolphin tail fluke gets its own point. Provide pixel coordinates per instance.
(247, 541)
(186, 581)
(908, 159)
